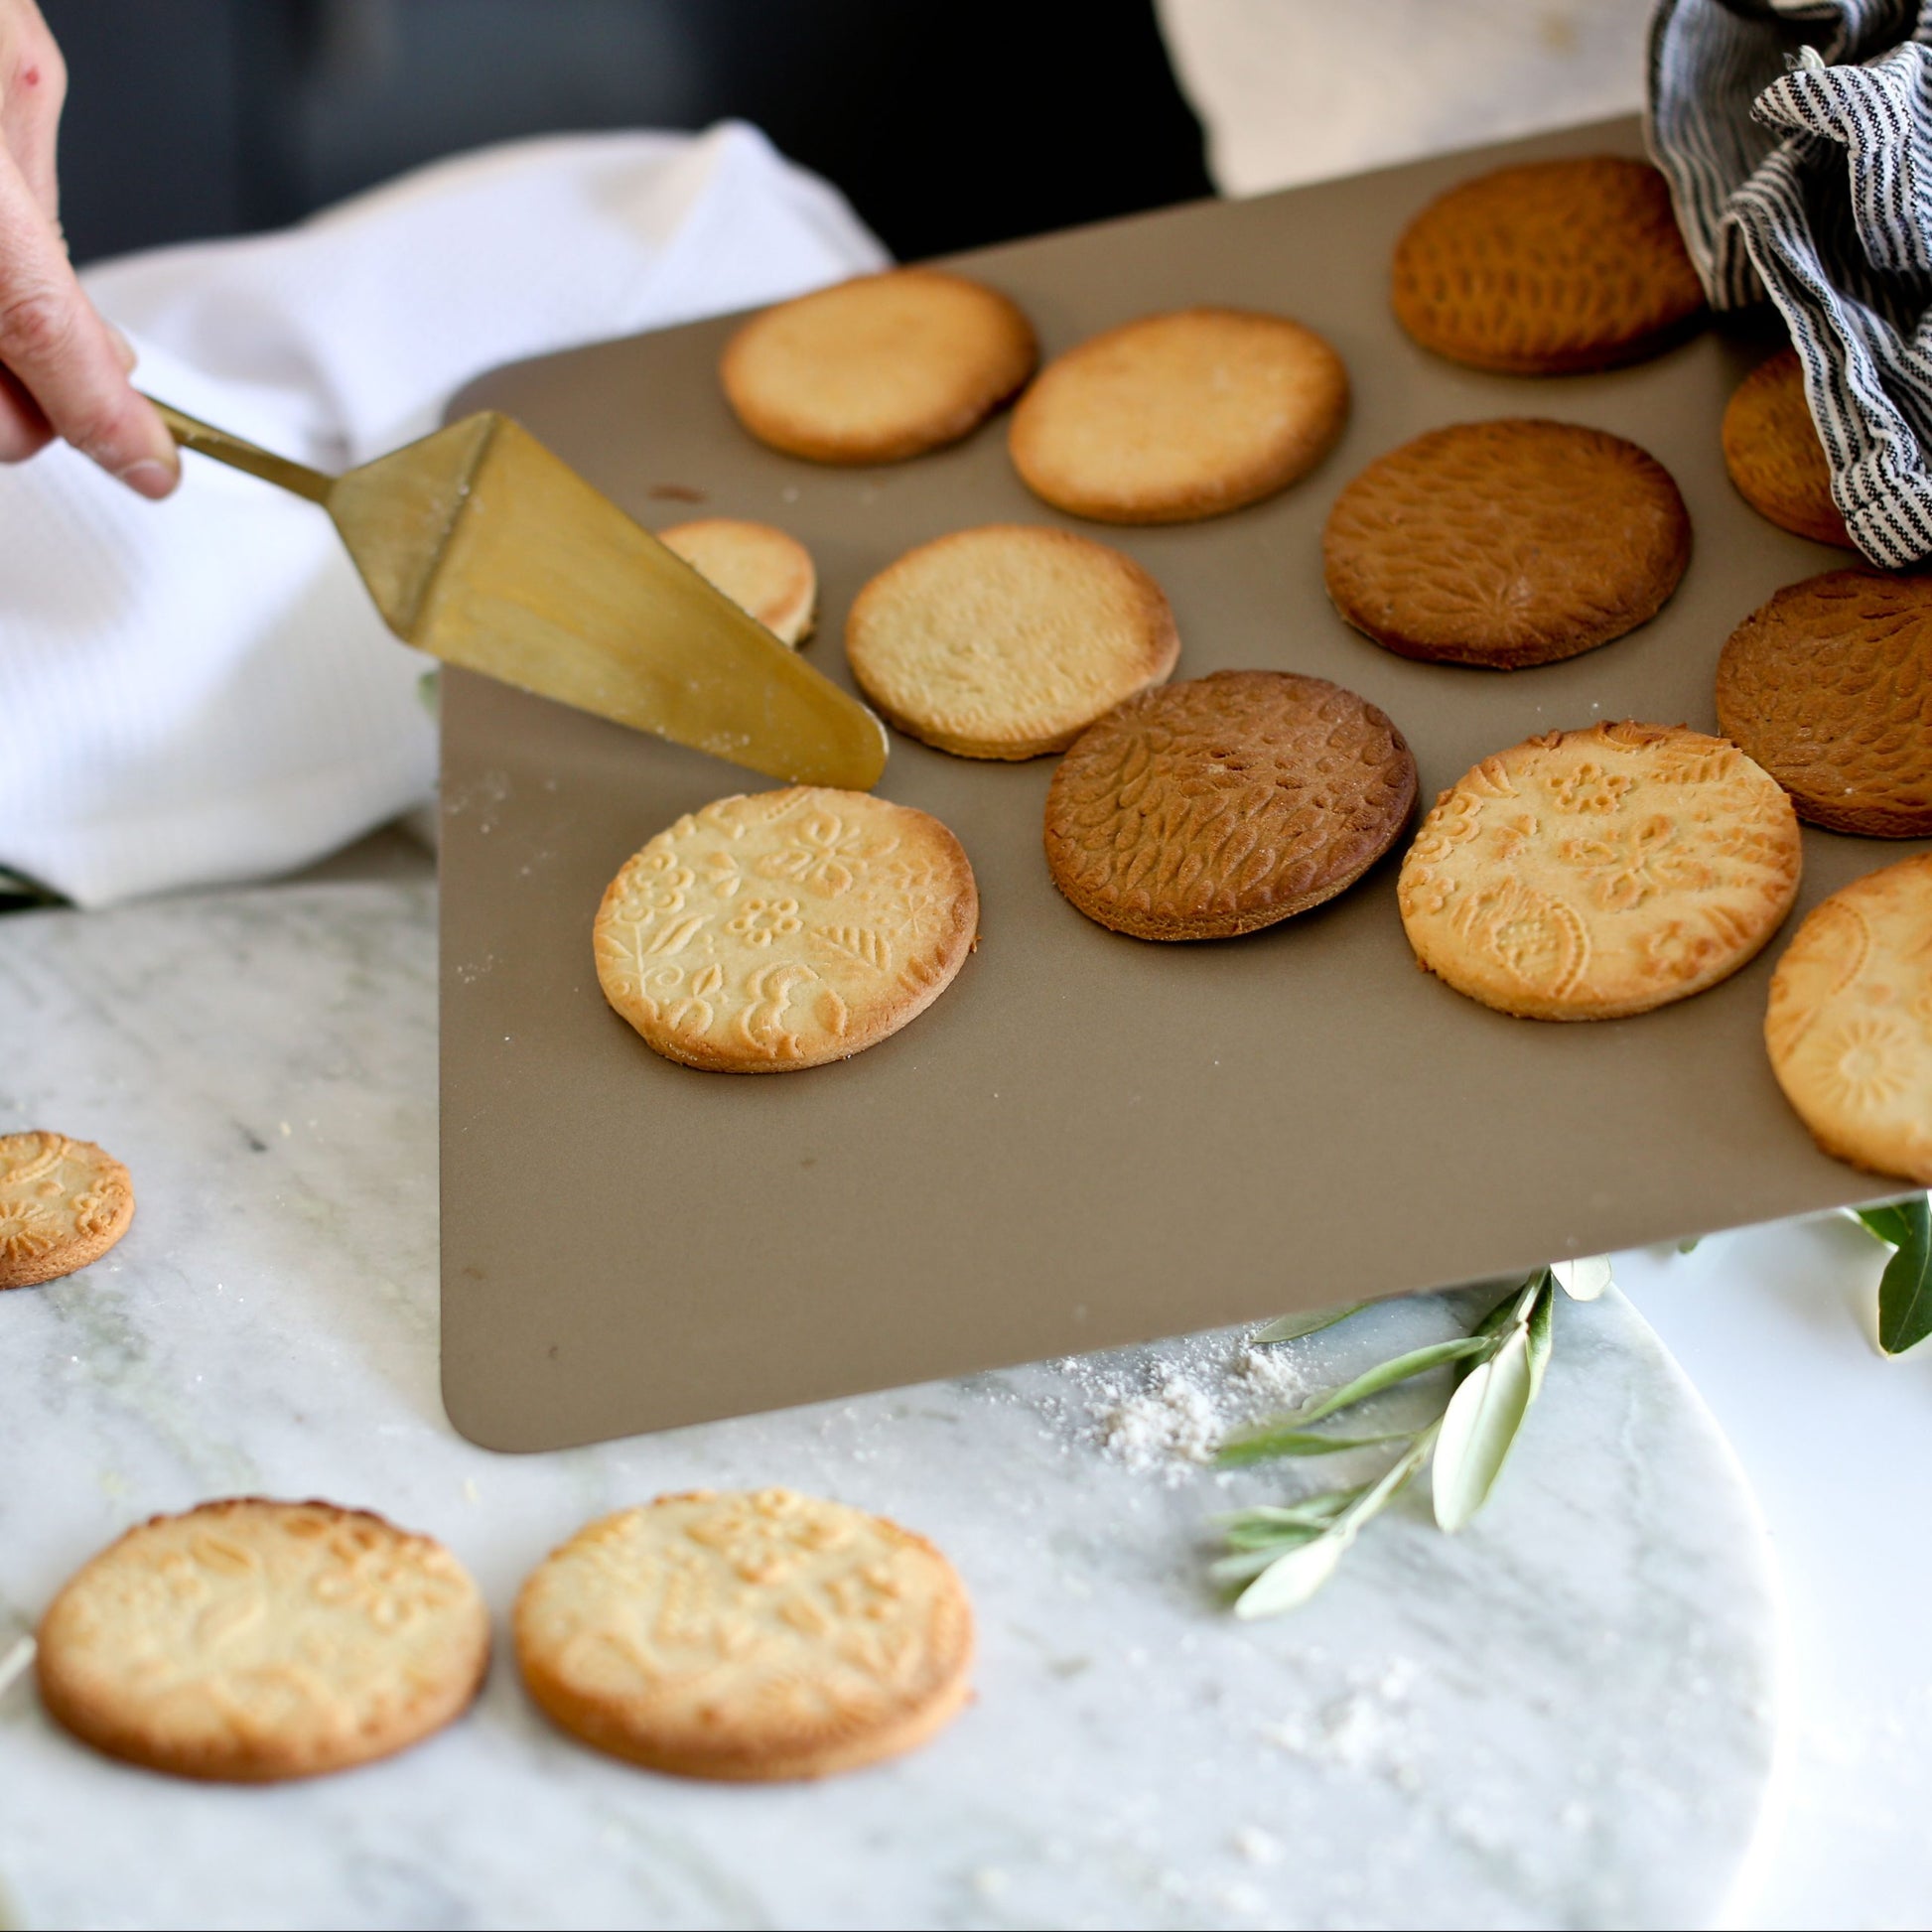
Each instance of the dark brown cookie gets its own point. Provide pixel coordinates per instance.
(1774, 454)
(1548, 268)
(1213, 807)
(1829, 687)
(1506, 544)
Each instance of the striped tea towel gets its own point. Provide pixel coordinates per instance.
(1797, 139)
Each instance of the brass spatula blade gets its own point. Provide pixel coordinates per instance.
(487, 551)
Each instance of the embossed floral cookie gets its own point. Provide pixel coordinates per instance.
(251, 1640)
(1226, 803)
(1548, 267)
(1829, 687)
(62, 1204)
(762, 570)
(1008, 641)
(1588, 874)
(747, 1636)
(783, 929)
(1506, 543)
(1849, 1025)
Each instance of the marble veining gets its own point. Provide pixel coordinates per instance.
(1564, 1717)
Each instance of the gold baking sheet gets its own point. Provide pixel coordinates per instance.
(1089, 1139)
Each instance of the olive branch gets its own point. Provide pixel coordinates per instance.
(1279, 1556)
(1906, 1287)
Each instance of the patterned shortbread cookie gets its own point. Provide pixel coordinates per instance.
(1506, 543)
(1849, 1021)
(747, 1636)
(1591, 874)
(1008, 641)
(62, 1204)
(1829, 687)
(1224, 804)
(1774, 454)
(253, 1640)
(762, 570)
(1180, 416)
(879, 368)
(782, 929)
(1548, 267)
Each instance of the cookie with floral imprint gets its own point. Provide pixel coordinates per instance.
(1849, 1024)
(250, 1640)
(778, 930)
(1598, 874)
(62, 1204)
(748, 1636)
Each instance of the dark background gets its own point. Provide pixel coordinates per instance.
(946, 125)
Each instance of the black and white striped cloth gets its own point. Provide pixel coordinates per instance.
(1797, 139)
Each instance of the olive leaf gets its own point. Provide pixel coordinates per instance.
(1385, 1375)
(1257, 1444)
(1906, 1287)
(1585, 1278)
(1479, 1428)
(1887, 1222)
(1291, 1327)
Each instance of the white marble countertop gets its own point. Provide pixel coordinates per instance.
(167, 1386)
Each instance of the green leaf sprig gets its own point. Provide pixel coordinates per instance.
(1279, 1556)
(1906, 1287)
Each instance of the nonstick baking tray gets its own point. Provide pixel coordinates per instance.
(1089, 1139)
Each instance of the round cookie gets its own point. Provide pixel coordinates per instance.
(1829, 687)
(1008, 641)
(762, 570)
(782, 929)
(1506, 543)
(878, 369)
(1589, 875)
(253, 1640)
(1849, 1025)
(1774, 454)
(62, 1204)
(1180, 416)
(1547, 268)
(747, 1636)
(1221, 805)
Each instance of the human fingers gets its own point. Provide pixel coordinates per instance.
(65, 355)
(32, 89)
(23, 431)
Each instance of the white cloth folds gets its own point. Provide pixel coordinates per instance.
(199, 691)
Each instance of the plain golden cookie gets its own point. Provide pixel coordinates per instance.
(62, 1204)
(1547, 268)
(1591, 874)
(1774, 454)
(1180, 416)
(1829, 687)
(747, 1636)
(782, 929)
(1849, 1021)
(1506, 543)
(878, 369)
(1224, 804)
(253, 1640)
(1008, 641)
(762, 570)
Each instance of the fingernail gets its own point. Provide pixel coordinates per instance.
(149, 478)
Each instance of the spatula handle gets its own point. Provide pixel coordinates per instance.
(231, 449)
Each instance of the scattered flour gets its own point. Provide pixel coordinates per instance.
(1369, 1729)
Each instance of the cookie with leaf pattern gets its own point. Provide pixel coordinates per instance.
(62, 1204)
(776, 930)
(1547, 268)
(253, 1640)
(1772, 451)
(1226, 803)
(1848, 1025)
(1829, 687)
(1592, 875)
(750, 1636)
(1506, 543)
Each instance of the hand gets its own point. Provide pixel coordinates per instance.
(63, 370)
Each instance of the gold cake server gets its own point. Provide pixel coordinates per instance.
(481, 548)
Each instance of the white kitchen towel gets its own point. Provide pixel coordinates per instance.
(1797, 137)
(199, 691)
